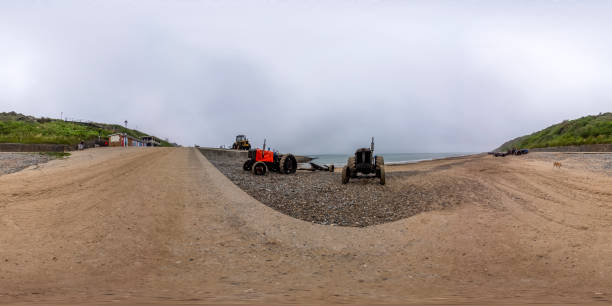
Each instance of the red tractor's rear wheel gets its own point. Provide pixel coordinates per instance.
(288, 164)
(259, 168)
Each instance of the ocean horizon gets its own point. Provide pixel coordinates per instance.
(390, 158)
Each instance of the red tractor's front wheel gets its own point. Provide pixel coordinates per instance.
(259, 168)
(247, 165)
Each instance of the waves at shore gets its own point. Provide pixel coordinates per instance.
(390, 158)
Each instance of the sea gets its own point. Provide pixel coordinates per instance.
(390, 158)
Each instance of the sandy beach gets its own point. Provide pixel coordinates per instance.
(164, 225)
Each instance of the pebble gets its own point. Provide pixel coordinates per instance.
(13, 162)
(320, 197)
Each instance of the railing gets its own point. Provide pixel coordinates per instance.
(78, 120)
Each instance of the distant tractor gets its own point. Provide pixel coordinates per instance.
(241, 143)
(261, 161)
(364, 165)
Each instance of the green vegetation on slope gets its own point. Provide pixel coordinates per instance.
(18, 128)
(56, 154)
(585, 130)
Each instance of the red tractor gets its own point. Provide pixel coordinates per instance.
(260, 161)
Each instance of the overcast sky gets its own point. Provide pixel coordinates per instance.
(311, 76)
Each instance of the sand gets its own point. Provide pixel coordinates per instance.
(164, 225)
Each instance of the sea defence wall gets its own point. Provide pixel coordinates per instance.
(216, 153)
(584, 148)
(27, 147)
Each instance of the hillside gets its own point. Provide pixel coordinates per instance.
(586, 130)
(18, 128)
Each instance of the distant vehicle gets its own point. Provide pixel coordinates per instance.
(364, 165)
(261, 161)
(103, 142)
(241, 143)
(521, 152)
(510, 152)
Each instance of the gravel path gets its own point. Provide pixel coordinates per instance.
(320, 197)
(13, 162)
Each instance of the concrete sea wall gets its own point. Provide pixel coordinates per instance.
(26, 147)
(216, 153)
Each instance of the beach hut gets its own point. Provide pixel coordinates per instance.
(150, 141)
(124, 140)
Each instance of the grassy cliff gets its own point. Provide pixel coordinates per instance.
(585, 130)
(18, 128)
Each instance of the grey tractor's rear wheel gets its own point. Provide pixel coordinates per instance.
(382, 175)
(259, 168)
(345, 175)
(288, 164)
(380, 162)
(351, 163)
(247, 165)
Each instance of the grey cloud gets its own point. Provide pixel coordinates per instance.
(311, 77)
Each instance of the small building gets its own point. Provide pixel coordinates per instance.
(151, 141)
(124, 140)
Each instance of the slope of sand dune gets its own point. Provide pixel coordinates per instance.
(163, 225)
